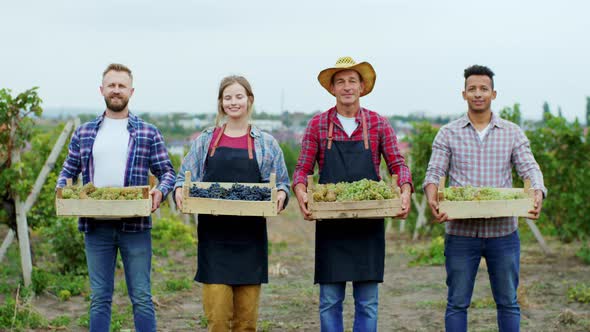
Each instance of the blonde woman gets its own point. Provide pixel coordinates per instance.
(233, 250)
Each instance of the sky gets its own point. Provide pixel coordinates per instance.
(180, 50)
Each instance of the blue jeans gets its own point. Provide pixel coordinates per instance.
(366, 301)
(102, 244)
(463, 255)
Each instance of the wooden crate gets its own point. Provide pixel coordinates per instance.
(353, 209)
(216, 206)
(488, 209)
(95, 208)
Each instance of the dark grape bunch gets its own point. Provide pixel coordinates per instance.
(237, 192)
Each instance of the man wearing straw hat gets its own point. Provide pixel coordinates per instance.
(348, 141)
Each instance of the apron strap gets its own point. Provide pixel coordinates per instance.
(250, 154)
(216, 142)
(365, 134)
(330, 130)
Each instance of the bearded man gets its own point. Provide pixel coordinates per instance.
(117, 149)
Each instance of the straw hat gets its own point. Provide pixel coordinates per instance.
(344, 63)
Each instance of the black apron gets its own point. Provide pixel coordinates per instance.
(232, 250)
(349, 249)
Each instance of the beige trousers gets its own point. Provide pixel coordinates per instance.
(231, 308)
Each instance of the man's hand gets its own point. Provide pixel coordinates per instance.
(156, 198)
(178, 197)
(406, 202)
(536, 211)
(432, 196)
(281, 196)
(301, 194)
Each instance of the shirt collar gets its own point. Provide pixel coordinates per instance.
(494, 122)
(133, 120)
(333, 115)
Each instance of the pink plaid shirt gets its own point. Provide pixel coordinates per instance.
(458, 151)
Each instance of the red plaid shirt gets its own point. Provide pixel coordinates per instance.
(382, 141)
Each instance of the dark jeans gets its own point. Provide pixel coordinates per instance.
(102, 244)
(463, 255)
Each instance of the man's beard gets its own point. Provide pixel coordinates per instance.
(116, 107)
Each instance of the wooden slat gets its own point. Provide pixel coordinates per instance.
(487, 209)
(229, 207)
(354, 214)
(104, 208)
(353, 209)
(215, 206)
(356, 205)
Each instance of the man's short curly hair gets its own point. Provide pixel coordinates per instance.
(479, 70)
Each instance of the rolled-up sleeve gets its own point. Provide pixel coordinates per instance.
(438, 165)
(525, 163)
(72, 165)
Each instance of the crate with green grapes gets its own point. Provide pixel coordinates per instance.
(352, 200)
(485, 202)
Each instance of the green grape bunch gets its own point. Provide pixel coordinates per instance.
(89, 191)
(363, 190)
(470, 193)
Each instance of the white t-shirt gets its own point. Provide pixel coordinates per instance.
(110, 153)
(349, 124)
(483, 132)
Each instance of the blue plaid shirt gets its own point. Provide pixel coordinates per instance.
(147, 151)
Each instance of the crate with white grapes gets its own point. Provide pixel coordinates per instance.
(485, 202)
(364, 199)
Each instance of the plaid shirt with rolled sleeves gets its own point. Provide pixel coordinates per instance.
(268, 155)
(147, 151)
(382, 140)
(458, 152)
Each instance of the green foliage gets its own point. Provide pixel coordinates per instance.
(276, 247)
(584, 253)
(546, 111)
(562, 151)
(203, 322)
(60, 322)
(291, 153)
(63, 286)
(172, 233)
(64, 295)
(579, 293)
(175, 285)
(68, 245)
(176, 161)
(16, 129)
(84, 320)
(40, 280)
(70, 283)
(16, 316)
(118, 319)
(433, 255)
(421, 149)
(512, 114)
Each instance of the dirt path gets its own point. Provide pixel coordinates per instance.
(411, 298)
